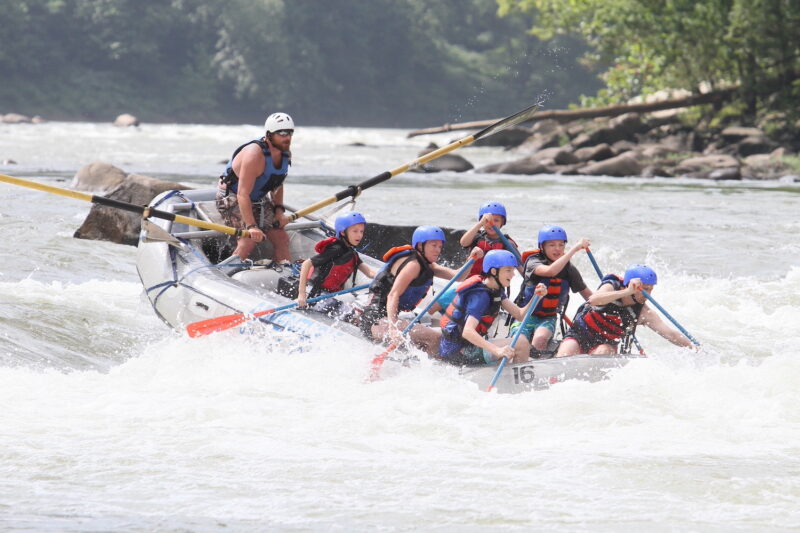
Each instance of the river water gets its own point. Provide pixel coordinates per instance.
(109, 421)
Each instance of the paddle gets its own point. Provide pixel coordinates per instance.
(503, 362)
(664, 312)
(145, 211)
(221, 323)
(510, 247)
(355, 190)
(378, 360)
(600, 275)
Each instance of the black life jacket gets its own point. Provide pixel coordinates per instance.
(384, 280)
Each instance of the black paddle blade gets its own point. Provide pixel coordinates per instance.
(513, 120)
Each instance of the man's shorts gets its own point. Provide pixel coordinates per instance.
(228, 207)
(533, 323)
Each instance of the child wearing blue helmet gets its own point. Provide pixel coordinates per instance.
(550, 264)
(612, 313)
(465, 324)
(402, 284)
(336, 262)
(490, 214)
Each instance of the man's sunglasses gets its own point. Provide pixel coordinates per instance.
(285, 133)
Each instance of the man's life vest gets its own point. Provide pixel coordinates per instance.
(382, 284)
(611, 321)
(268, 181)
(332, 276)
(455, 317)
(557, 295)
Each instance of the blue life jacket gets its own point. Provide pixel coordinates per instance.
(268, 181)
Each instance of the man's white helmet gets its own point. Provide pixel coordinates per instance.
(278, 121)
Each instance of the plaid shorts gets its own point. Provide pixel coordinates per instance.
(228, 207)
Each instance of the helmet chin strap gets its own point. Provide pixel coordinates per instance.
(421, 251)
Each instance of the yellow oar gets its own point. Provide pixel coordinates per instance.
(355, 190)
(145, 211)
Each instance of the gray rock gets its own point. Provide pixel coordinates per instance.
(730, 173)
(379, 238)
(527, 165)
(115, 225)
(447, 162)
(757, 144)
(508, 138)
(125, 120)
(15, 118)
(98, 178)
(696, 164)
(619, 166)
(736, 133)
(594, 153)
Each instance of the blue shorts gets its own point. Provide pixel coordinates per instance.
(458, 353)
(534, 323)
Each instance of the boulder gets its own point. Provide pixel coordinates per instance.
(756, 144)
(38, 120)
(623, 127)
(15, 118)
(729, 173)
(508, 138)
(447, 162)
(735, 133)
(594, 153)
(619, 166)
(379, 238)
(115, 225)
(702, 163)
(98, 178)
(125, 120)
(560, 155)
(654, 151)
(526, 165)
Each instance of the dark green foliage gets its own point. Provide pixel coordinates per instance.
(349, 62)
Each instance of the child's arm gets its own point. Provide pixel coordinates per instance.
(367, 270)
(519, 312)
(558, 265)
(301, 288)
(447, 273)
(469, 236)
(650, 318)
(606, 293)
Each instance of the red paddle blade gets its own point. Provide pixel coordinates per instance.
(213, 325)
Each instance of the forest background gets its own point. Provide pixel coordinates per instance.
(390, 63)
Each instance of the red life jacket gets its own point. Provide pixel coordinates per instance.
(455, 317)
(611, 321)
(332, 276)
(482, 241)
(556, 290)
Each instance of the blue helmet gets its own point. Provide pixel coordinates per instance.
(644, 273)
(424, 234)
(497, 259)
(551, 233)
(346, 220)
(493, 208)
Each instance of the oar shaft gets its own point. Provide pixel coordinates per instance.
(355, 190)
(514, 340)
(145, 212)
(507, 244)
(594, 263)
(671, 319)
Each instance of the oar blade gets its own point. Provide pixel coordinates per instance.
(508, 122)
(213, 325)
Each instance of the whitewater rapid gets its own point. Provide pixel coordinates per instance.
(113, 422)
